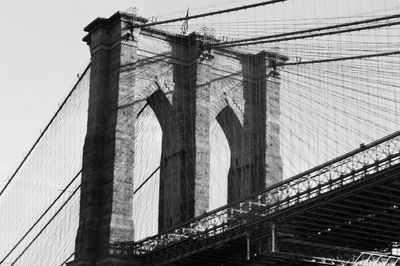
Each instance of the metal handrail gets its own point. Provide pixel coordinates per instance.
(283, 192)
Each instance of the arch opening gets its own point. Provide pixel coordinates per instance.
(233, 130)
(220, 157)
(148, 139)
(156, 134)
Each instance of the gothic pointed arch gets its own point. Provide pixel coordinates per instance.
(233, 131)
(172, 158)
(164, 112)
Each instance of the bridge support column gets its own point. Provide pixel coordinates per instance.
(185, 162)
(185, 91)
(260, 158)
(252, 130)
(107, 179)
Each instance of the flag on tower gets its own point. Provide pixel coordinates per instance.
(185, 25)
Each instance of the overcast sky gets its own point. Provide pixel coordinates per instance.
(41, 52)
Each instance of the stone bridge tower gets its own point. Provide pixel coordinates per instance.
(187, 86)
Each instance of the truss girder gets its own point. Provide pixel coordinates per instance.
(348, 201)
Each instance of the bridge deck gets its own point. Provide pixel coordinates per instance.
(339, 209)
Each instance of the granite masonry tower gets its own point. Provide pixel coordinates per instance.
(187, 83)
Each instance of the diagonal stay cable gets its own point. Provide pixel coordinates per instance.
(47, 224)
(147, 179)
(340, 59)
(209, 13)
(290, 38)
(41, 216)
(292, 35)
(45, 130)
(67, 259)
(59, 196)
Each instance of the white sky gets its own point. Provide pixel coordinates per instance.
(41, 52)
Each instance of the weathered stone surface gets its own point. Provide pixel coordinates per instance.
(107, 183)
(134, 69)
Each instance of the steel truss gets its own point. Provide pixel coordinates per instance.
(351, 201)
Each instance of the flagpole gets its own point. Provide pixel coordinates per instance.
(209, 14)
